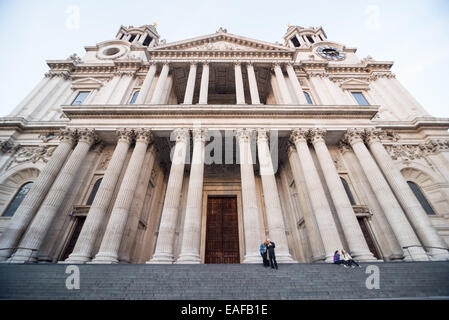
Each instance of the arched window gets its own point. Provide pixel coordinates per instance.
(348, 191)
(17, 200)
(134, 97)
(93, 193)
(421, 198)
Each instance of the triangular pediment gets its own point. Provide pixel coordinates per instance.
(222, 41)
(354, 84)
(87, 83)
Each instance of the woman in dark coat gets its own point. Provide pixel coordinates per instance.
(271, 255)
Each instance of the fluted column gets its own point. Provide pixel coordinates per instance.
(251, 222)
(122, 86)
(204, 88)
(157, 95)
(25, 212)
(112, 237)
(275, 219)
(296, 85)
(95, 218)
(190, 248)
(348, 220)
(135, 212)
(190, 88)
(164, 247)
(415, 212)
(393, 211)
(321, 208)
(282, 84)
(38, 228)
(146, 84)
(254, 91)
(313, 233)
(239, 92)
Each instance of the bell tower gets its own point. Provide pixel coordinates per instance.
(300, 37)
(145, 35)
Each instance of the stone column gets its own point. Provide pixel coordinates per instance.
(157, 95)
(393, 211)
(282, 85)
(38, 228)
(146, 84)
(412, 207)
(25, 212)
(254, 91)
(239, 92)
(164, 247)
(321, 208)
(296, 85)
(313, 233)
(112, 238)
(190, 88)
(204, 84)
(122, 86)
(191, 240)
(275, 219)
(348, 220)
(96, 217)
(251, 222)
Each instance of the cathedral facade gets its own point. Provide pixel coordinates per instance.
(196, 151)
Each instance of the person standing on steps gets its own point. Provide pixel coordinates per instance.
(271, 255)
(349, 260)
(263, 253)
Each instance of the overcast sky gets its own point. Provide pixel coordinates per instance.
(412, 33)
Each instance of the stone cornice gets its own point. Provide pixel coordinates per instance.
(219, 111)
(417, 123)
(219, 54)
(19, 123)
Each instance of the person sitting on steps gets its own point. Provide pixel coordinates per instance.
(349, 260)
(337, 259)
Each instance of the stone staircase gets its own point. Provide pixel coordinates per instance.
(229, 282)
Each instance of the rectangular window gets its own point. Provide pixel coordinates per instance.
(133, 36)
(82, 95)
(147, 41)
(360, 98)
(308, 98)
(134, 97)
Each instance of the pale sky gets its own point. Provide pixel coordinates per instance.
(412, 33)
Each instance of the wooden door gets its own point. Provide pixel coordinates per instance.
(368, 238)
(222, 235)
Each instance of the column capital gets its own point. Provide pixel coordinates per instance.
(237, 63)
(263, 134)
(199, 134)
(353, 135)
(244, 134)
(67, 135)
(88, 136)
(125, 135)
(317, 134)
(181, 134)
(193, 63)
(344, 146)
(299, 135)
(372, 135)
(143, 135)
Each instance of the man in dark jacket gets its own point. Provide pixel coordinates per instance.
(271, 254)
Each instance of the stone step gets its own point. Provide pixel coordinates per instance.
(291, 281)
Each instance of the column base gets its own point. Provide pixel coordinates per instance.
(23, 256)
(189, 258)
(363, 256)
(5, 254)
(76, 259)
(415, 254)
(252, 258)
(105, 258)
(329, 258)
(439, 256)
(285, 258)
(161, 258)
